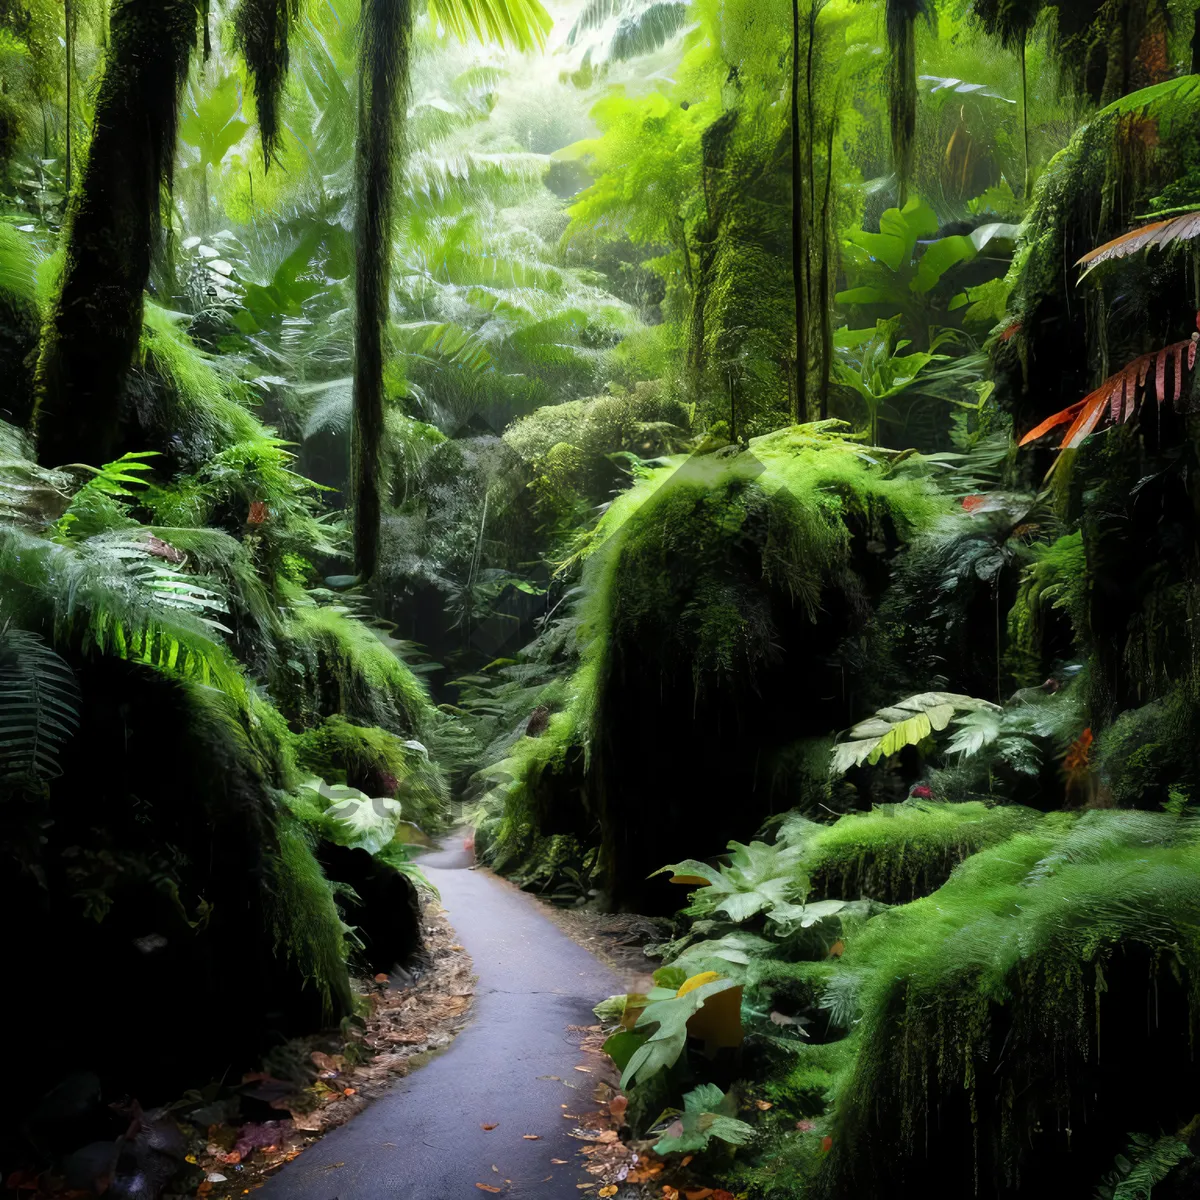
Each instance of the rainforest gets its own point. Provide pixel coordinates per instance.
(600, 598)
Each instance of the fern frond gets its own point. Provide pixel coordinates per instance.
(39, 705)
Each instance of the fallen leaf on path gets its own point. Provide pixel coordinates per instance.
(532, 1137)
(487, 1187)
(489, 1128)
(561, 1162)
(585, 1070)
(609, 1190)
(557, 1078)
(382, 977)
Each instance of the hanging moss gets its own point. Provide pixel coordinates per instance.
(308, 926)
(348, 670)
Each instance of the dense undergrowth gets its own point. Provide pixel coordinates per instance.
(628, 423)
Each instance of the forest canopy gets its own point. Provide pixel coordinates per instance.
(754, 436)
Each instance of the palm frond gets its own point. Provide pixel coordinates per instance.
(1118, 397)
(521, 24)
(1158, 233)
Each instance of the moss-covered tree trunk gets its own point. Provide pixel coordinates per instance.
(112, 225)
(799, 250)
(383, 80)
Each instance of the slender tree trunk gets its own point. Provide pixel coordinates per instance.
(901, 21)
(112, 226)
(824, 284)
(68, 24)
(1025, 119)
(383, 81)
(799, 256)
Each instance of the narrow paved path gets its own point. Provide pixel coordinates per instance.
(424, 1139)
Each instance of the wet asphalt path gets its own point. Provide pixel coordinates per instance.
(424, 1139)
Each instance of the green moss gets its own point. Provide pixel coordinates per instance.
(657, 566)
(897, 852)
(308, 927)
(378, 763)
(1148, 751)
(1057, 580)
(1017, 946)
(348, 670)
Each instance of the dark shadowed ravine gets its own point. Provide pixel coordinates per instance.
(425, 1139)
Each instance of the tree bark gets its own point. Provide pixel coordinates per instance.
(383, 81)
(112, 226)
(799, 257)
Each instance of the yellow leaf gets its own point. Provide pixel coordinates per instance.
(608, 1190)
(696, 981)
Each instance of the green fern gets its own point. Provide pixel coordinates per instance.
(39, 706)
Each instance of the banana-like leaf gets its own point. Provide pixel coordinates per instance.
(906, 723)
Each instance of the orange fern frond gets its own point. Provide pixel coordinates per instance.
(1117, 397)
(1160, 233)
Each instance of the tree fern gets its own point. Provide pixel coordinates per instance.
(39, 705)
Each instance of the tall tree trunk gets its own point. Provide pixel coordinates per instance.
(825, 282)
(383, 82)
(901, 21)
(69, 47)
(799, 255)
(1024, 117)
(112, 225)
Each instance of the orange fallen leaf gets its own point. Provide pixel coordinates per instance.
(489, 1128)
(763, 1105)
(826, 1144)
(382, 977)
(608, 1190)
(532, 1137)
(687, 1158)
(348, 1091)
(699, 1194)
(837, 949)
(487, 1187)
(670, 1193)
(617, 1106)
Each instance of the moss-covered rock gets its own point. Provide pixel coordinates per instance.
(717, 593)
